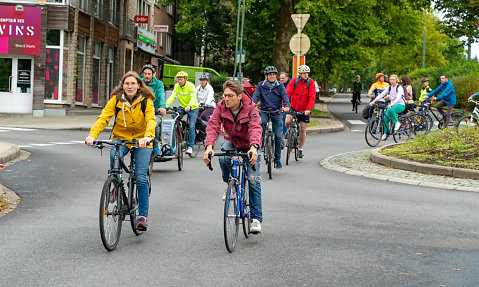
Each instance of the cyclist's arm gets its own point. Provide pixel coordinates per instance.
(476, 95)
(150, 120)
(210, 98)
(257, 93)
(160, 101)
(447, 92)
(380, 96)
(193, 103)
(104, 118)
(371, 90)
(255, 129)
(173, 96)
(435, 91)
(312, 95)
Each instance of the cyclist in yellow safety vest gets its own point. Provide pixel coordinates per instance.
(185, 92)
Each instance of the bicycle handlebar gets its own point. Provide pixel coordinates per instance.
(230, 153)
(474, 102)
(100, 143)
(291, 112)
(271, 112)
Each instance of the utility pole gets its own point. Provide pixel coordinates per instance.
(424, 42)
(239, 38)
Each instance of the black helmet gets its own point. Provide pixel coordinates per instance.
(425, 80)
(204, 77)
(148, 66)
(270, 69)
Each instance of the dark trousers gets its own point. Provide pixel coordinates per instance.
(440, 107)
(205, 113)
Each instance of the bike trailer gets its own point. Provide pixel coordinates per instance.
(167, 129)
(200, 129)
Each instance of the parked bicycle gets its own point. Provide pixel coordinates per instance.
(375, 127)
(236, 198)
(292, 136)
(269, 141)
(116, 203)
(471, 120)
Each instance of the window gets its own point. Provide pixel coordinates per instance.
(168, 44)
(160, 39)
(169, 9)
(109, 73)
(80, 70)
(53, 63)
(6, 75)
(143, 8)
(99, 8)
(83, 4)
(59, 1)
(114, 6)
(95, 88)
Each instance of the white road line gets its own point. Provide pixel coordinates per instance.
(356, 122)
(40, 144)
(81, 142)
(61, 143)
(357, 130)
(2, 131)
(24, 146)
(16, 129)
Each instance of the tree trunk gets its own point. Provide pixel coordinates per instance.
(281, 52)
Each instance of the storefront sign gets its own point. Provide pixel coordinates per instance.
(146, 40)
(161, 28)
(20, 31)
(141, 19)
(24, 77)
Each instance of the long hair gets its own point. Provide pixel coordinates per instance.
(405, 80)
(142, 88)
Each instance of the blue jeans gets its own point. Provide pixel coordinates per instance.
(192, 115)
(277, 129)
(142, 162)
(254, 180)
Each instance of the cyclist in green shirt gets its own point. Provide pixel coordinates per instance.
(476, 95)
(186, 94)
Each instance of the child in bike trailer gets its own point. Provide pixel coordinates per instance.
(397, 105)
(242, 130)
(131, 122)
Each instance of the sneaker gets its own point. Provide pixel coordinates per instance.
(255, 226)
(384, 137)
(278, 165)
(300, 153)
(359, 103)
(157, 150)
(141, 223)
(113, 195)
(189, 150)
(397, 126)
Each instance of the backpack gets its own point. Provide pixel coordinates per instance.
(406, 95)
(297, 80)
(414, 93)
(117, 109)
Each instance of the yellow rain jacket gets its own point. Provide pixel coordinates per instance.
(130, 121)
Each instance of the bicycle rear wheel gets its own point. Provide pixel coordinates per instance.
(231, 219)
(289, 145)
(269, 152)
(246, 211)
(373, 132)
(179, 150)
(110, 213)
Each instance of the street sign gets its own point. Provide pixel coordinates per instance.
(300, 21)
(161, 28)
(240, 57)
(298, 61)
(299, 44)
(141, 19)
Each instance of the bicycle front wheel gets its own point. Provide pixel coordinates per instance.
(289, 145)
(110, 213)
(179, 150)
(269, 152)
(373, 131)
(246, 211)
(467, 122)
(231, 219)
(404, 132)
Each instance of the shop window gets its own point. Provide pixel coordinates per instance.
(53, 37)
(80, 70)
(95, 89)
(52, 76)
(6, 75)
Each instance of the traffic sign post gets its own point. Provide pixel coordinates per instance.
(299, 43)
(298, 61)
(240, 57)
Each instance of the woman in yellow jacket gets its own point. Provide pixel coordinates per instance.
(132, 122)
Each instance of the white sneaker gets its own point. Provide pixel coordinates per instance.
(384, 137)
(397, 125)
(189, 150)
(255, 226)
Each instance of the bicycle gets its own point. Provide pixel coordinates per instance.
(437, 117)
(236, 198)
(292, 136)
(375, 127)
(115, 203)
(173, 149)
(185, 126)
(471, 120)
(269, 141)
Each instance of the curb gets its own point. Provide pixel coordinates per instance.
(385, 160)
(326, 130)
(8, 152)
(334, 167)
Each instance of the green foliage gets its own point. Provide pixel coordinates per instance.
(460, 17)
(217, 82)
(443, 147)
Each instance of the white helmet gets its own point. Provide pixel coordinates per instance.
(303, 69)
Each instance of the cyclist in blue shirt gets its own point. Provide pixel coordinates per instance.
(272, 95)
(447, 98)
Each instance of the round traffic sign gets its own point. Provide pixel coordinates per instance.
(299, 44)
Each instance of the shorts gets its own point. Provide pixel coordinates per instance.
(303, 118)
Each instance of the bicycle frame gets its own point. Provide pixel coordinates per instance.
(238, 175)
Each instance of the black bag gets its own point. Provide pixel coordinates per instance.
(200, 129)
(366, 112)
(414, 97)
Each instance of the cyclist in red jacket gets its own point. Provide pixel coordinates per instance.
(302, 94)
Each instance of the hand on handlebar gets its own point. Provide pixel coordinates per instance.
(306, 113)
(89, 141)
(208, 155)
(162, 111)
(253, 155)
(285, 109)
(144, 142)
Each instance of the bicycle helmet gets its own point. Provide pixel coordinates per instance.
(303, 69)
(148, 66)
(425, 80)
(181, 74)
(270, 69)
(204, 77)
(378, 75)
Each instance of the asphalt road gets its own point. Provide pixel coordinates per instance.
(321, 228)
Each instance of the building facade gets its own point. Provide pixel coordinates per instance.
(64, 56)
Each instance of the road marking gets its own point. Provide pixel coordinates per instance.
(40, 144)
(81, 142)
(2, 131)
(357, 130)
(24, 146)
(16, 129)
(356, 122)
(62, 143)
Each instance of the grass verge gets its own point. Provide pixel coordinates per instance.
(442, 147)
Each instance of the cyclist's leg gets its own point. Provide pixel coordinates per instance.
(284, 124)
(264, 121)
(142, 161)
(440, 108)
(225, 161)
(123, 151)
(192, 115)
(277, 129)
(206, 114)
(448, 115)
(302, 134)
(254, 185)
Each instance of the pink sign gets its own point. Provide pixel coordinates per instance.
(20, 31)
